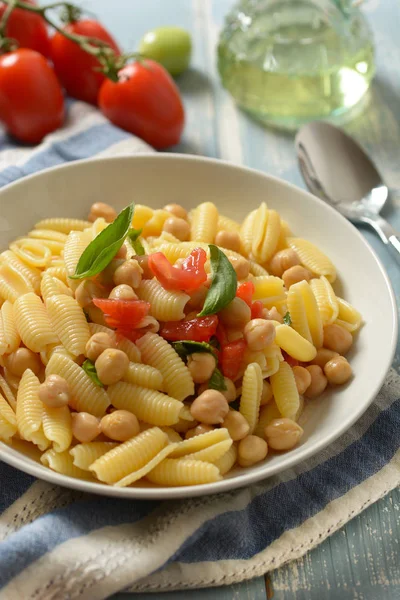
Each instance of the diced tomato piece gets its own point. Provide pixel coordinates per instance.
(231, 357)
(122, 314)
(245, 291)
(221, 336)
(257, 308)
(187, 278)
(293, 362)
(200, 329)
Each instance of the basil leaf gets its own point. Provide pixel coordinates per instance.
(217, 381)
(105, 246)
(133, 236)
(223, 285)
(287, 319)
(185, 347)
(90, 370)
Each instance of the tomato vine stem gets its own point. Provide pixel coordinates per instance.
(97, 48)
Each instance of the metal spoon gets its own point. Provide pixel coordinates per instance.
(336, 169)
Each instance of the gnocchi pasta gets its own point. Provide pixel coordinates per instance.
(190, 352)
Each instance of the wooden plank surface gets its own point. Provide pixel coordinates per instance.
(361, 561)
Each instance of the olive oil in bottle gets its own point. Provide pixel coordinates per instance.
(287, 62)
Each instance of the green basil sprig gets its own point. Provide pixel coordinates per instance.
(217, 381)
(90, 369)
(186, 347)
(287, 319)
(105, 246)
(133, 237)
(223, 285)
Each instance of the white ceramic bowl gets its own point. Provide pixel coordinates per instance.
(158, 179)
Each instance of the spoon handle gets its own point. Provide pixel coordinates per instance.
(386, 232)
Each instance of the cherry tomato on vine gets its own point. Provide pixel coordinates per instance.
(27, 28)
(31, 98)
(146, 102)
(75, 68)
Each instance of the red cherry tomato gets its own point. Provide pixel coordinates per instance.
(231, 357)
(75, 68)
(257, 308)
(200, 329)
(28, 28)
(123, 315)
(187, 278)
(146, 102)
(31, 99)
(245, 291)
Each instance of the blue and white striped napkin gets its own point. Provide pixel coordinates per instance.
(58, 544)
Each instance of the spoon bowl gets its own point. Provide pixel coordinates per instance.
(337, 170)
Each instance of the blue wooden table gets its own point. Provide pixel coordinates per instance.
(361, 561)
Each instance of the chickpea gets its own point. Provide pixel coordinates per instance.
(236, 424)
(251, 450)
(85, 427)
(54, 391)
(211, 407)
(95, 315)
(323, 356)
(337, 338)
(230, 392)
(234, 334)
(178, 227)
(303, 379)
(283, 434)
(258, 334)
(266, 394)
(106, 277)
(236, 315)
(129, 273)
(338, 370)
(102, 210)
(97, 344)
(282, 261)
(201, 366)
(143, 261)
(86, 291)
(241, 266)
(318, 381)
(197, 298)
(22, 359)
(294, 275)
(122, 292)
(111, 366)
(122, 252)
(120, 425)
(177, 210)
(273, 314)
(228, 239)
(199, 430)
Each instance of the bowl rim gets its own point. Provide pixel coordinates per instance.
(18, 460)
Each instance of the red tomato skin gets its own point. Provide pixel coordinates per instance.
(245, 291)
(199, 329)
(188, 278)
(31, 98)
(28, 28)
(293, 362)
(75, 68)
(123, 315)
(146, 102)
(231, 357)
(257, 309)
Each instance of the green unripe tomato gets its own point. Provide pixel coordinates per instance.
(170, 46)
